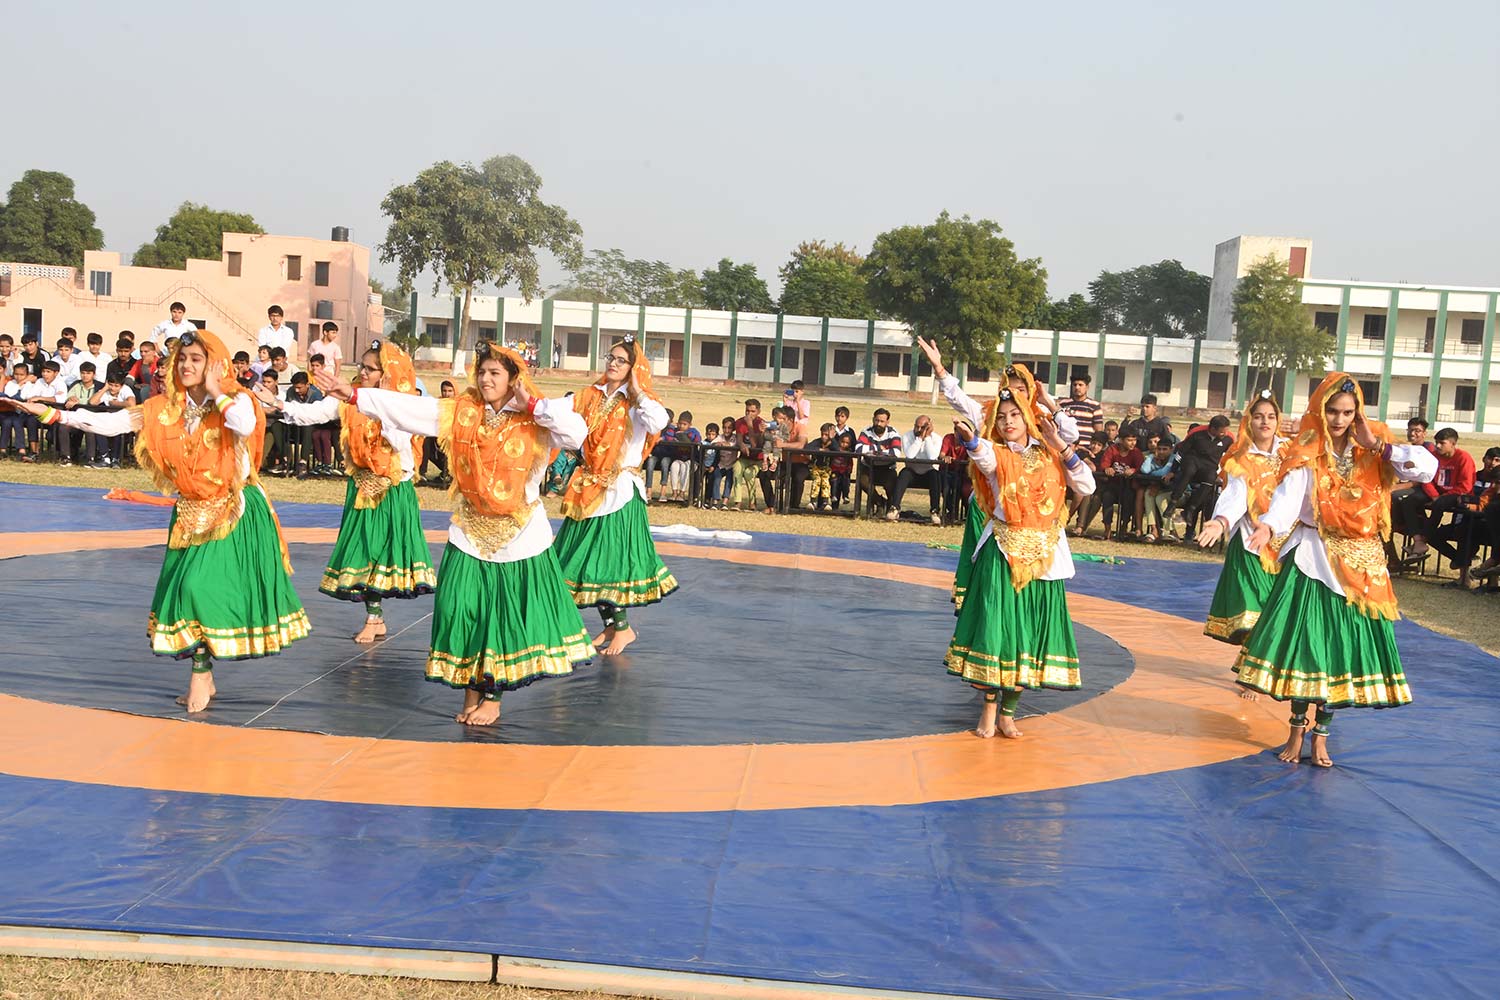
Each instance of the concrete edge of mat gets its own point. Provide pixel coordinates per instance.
(453, 966)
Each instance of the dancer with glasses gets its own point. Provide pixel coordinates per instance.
(224, 592)
(381, 551)
(503, 617)
(604, 545)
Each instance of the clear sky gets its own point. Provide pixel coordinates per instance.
(1099, 135)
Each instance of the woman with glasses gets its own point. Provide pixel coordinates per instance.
(503, 617)
(224, 592)
(604, 545)
(1325, 637)
(381, 551)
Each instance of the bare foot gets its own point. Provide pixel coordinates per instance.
(472, 699)
(486, 713)
(1320, 751)
(374, 629)
(1008, 728)
(619, 641)
(1292, 752)
(200, 692)
(604, 638)
(1249, 694)
(986, 728)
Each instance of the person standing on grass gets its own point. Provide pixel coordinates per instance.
(1088, 413)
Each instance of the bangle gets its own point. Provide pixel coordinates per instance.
(1385, 453)
(354, 398)
(531, 405)
(1072, 461)
(972, 444)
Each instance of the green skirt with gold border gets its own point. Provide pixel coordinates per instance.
(612, 560)
(500, 626)
(381, 551)
(973, 525)
(1240, 595)
(232, 595)
(1011, 640)
(1312, 645)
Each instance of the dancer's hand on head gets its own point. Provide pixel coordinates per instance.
(934, 357)
(1048, 430)
(266, 395)
(520, 395)
(963, 429)
(1211, 533)
(1363, 435)
(1045, 398)
(1259, 538)
(211, 384)
(334, 386)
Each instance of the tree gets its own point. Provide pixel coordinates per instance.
(193, 232)
(473, 226)
(610, 276)
(1164, 299)
(1272, 325)
(1072, 313)
(42, 223)
(823, 280)
(732, 286)
(957, 281)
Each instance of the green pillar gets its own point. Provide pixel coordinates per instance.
(500, 319)
(1099, 369)
(1146, 370)
(458, 318)
(687, 342)
(1439, 342)
(1009, 340)
(823, 356)
(1483, 396)
(1287, 385)
(1392, 314)
(776, 361)
(412, 312)
(1193, 378)
(594, 340)
(1056, 342)
(1343, 330)
(869, 353)
(911, 383)
(544, 346)
(1241, 386)
(734, 339)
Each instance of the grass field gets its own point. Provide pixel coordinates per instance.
(1462, 615)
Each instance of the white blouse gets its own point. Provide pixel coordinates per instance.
(646, 417)
(327, 408)
(1234, 499)
(239, 418)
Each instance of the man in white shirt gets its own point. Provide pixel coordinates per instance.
(174, 327)
(96, 354)
(68, 361)
(923, 450)
(277, 334)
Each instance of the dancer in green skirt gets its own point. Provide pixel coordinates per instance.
(503, 617)
(605, 545)
(1325, 637)
(381, 551)
(224, 591)
(1014, 632)
(1248, 474)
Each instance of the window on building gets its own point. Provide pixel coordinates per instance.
(1371, 390)
(1464, 397)
(791, 357)
(1077, 372)
(438, 334)
(1374, 326)
(101, 282)
(293, 268)
(845, 362)
(978, 374)
(291, 325)
(756, 355)
(1042, 371)
(1472, 332)
(1429, 334)
(577, 345)
(923, 368)
(233, 262)
(1114, 378)
(1312, 386)
(487, 333)
(320, 272)
(1161, 379)
(711, 353)
(887, 364)
(1328, 322)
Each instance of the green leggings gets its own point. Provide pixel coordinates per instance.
(1322, 718)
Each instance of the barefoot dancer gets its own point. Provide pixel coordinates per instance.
(503, 616)
(223, 593)
(1248, 473)
(604, 545)
(1014, 631)
(1325, 636)
(381, 551)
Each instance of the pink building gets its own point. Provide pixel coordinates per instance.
(312, 280)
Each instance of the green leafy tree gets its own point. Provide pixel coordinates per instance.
(193, 232)
(41, 222)
(825, 280)
(956, 281)
(732, 286)
(610, 276)
(1072, 313)
(473, 226)
(1164, 299)
(1272, 325)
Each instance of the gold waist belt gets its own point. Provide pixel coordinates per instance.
(491, 533)
(1026, 544)
(201, 521)
(369, 488)
(1365, 554)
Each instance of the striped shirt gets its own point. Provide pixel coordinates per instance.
(1088, 413)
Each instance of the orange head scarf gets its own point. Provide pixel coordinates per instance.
(608, 427)
(1032, 495)
(1261, 473)
(371, 459)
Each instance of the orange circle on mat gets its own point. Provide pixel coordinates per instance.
(1176, 710)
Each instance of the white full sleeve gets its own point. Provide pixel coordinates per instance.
(401, 410)
(1234, 501)
(239, 415)
(564, 426)
(310, 414)
(1288, 501)
(106, 423)
(1413, 463)
(650, 415)
(1080, 477)
(961, 401)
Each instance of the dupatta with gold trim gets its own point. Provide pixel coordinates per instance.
(368, 456)
(603, 452)
(1261, 473)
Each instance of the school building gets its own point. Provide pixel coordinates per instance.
(1415, 349)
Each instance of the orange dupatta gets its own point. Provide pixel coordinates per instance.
(1261, 473)
(602, 455)
(368, 456)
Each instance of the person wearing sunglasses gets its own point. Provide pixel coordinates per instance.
(381, 552)
(225, 591)
(503, 617)
(605, 545)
